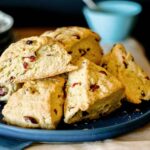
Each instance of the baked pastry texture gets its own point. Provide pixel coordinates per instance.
(122, 65)
(7, 89)
(34, 58)
(78, 41)
(38, 104)
(91, 92)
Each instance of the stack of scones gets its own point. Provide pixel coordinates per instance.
(63, 73)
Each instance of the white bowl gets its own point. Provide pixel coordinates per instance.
(6, 22)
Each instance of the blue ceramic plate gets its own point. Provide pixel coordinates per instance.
(121, 121)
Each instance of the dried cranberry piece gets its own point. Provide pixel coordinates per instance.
(77, 83)
(104, 65)
(88, 49)
(30, 119)
(97, 39)
(49, 55)
(94, 87)
(25, 65)
(77, 36)
(102, 53)
(82, 52)
(55, 111)
(147, 78)
(69, 52)
(142, 93)
(3, 91)
(29, 42)
(32, 58)
(11, 78)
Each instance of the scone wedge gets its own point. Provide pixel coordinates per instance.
(78, 41)
(122, 65)
(91, 93)
(34, 58)
(38, 104)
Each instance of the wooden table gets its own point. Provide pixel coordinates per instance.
(136, 140)
(30, 31)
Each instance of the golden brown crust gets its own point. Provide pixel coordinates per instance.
(121, 64)
(38, 104)
(34, 58)
(78, 41)
(91, 92)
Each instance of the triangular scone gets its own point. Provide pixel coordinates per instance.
(38, 104)
(34, 58)
(121, 64)
(78, 42)
(91, 92)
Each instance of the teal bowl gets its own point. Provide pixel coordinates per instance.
(114, 21)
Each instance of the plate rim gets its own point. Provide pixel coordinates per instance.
(87, 135)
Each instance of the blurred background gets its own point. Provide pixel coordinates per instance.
(55, 13)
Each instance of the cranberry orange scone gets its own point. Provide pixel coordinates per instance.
(34, 58)
(38, 104)
(122, 65)
(91, 92)
(78, 41)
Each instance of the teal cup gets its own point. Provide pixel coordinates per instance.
(114, 20)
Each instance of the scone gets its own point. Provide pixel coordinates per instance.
(38, 104)
(91, 93)
(34, 58)
(78, 42)
(121, 64)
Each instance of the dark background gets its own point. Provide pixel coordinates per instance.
(55, 13)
